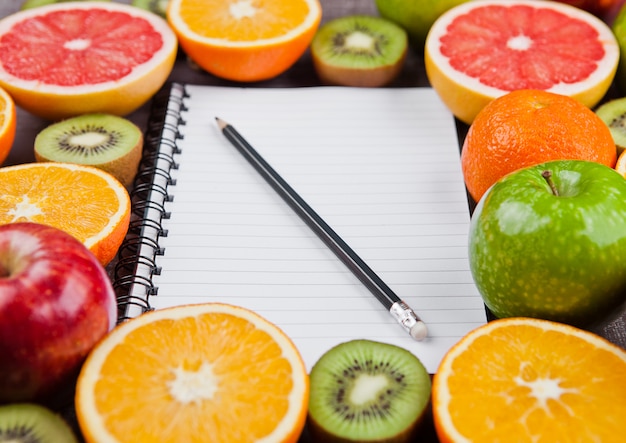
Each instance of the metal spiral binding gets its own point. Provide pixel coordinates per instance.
(136, 257)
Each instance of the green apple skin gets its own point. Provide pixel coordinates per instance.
(561, 258)
(415, 16)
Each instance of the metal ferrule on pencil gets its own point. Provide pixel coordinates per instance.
(407, 318)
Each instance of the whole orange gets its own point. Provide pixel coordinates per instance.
(527, 127)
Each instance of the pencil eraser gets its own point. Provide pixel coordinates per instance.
(419, 331)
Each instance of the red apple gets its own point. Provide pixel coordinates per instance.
(56, 303)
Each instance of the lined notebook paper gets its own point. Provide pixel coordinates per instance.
(381, 166)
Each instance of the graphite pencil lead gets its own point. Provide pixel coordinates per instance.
(221, 123)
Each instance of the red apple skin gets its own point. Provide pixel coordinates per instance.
(56, 303)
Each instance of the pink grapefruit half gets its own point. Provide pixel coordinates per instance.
(480, 50)
(67, 59)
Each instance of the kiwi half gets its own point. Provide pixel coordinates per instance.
(359, 50)
(367, 391)
(111, 143)
(31, 423)
(613, 113)
(158, 7)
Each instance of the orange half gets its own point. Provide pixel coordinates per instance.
(530, 380)
(8, 120)
(196, 373)
(84, 201)
(244, 40)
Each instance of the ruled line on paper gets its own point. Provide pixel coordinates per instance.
(381, 166)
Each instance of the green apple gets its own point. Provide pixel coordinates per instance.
(415, 16)
(549, 241)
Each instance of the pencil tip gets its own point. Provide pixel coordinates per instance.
(221, 123)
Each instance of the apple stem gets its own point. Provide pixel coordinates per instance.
(548, 176)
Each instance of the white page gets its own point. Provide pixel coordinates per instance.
(381, 166)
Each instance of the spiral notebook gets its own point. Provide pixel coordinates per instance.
(381, 166)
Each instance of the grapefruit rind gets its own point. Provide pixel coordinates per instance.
(246, 61)
(118, 97)
(465, 96)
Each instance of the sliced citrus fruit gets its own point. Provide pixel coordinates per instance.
(84, 201)
(8, 121)
(529, 380)
(478, 51)
(206, 372)
(73, 58)
(244, 40)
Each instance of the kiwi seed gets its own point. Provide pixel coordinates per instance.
(367, 391)
(613, 113)
(359, 50)
(111, 143)
(158, 7)
(31, 423)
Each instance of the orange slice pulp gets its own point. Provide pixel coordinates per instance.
(529, 380)
(8, 121)
(207, 372)
(84, 201)
(244, 40)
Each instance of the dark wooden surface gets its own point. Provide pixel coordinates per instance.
(301, 74)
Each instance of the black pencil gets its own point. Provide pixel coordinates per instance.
(399, 309)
